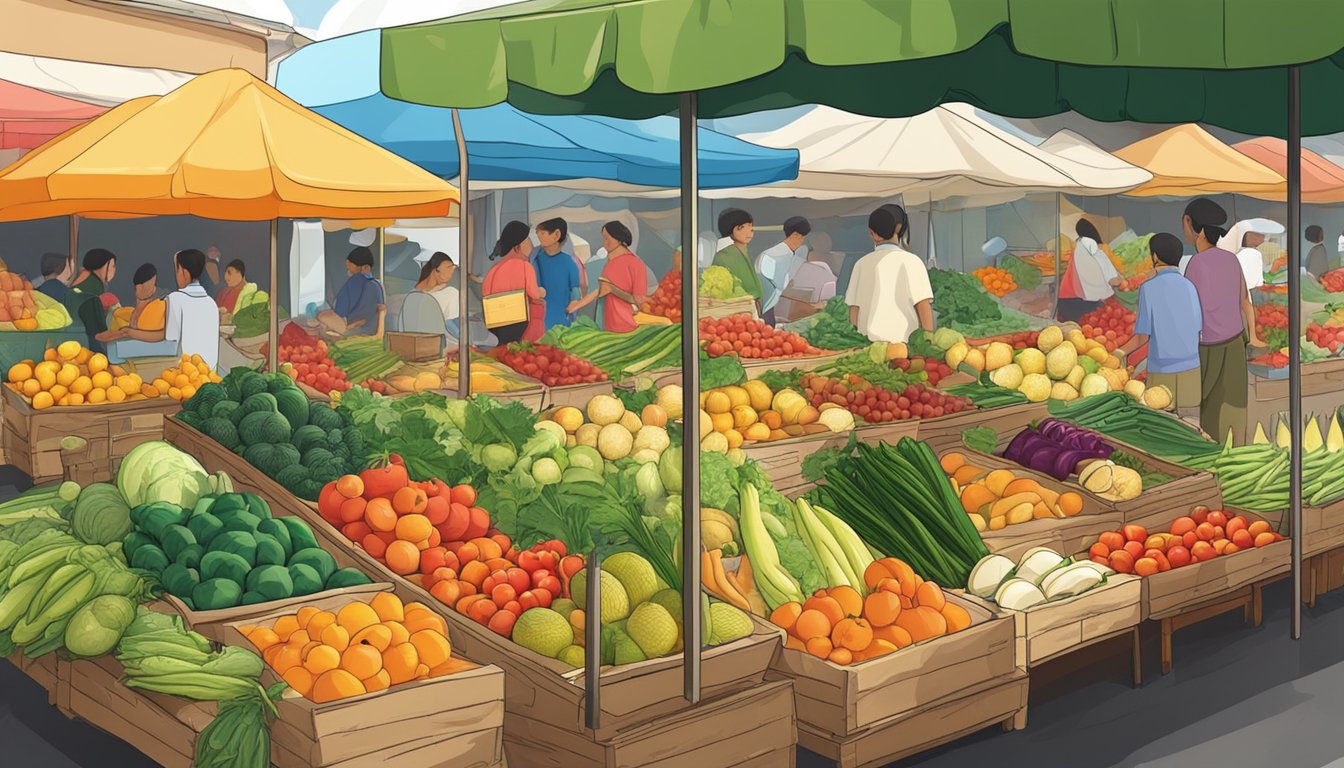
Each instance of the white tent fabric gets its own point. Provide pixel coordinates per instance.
(949, 151)
(102, 84)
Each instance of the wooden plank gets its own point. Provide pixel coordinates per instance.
(576, 395)
(164, 728)
(212, 624)
(43, 671)
(1050, 630)
(943, 433)
(1164, 503)
(843, 700)
(1322, 528)
(1002, 700)
(1180, 589)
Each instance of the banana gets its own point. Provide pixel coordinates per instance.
(15, 602)
(53, 586)
(40, 563)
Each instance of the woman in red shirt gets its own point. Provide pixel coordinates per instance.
(624, 282)
(514, 273)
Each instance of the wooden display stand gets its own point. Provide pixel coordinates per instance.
(943, 433)
(1322, 394)
(1322, 528)
(576, 395)
(455, 719)
(1052, 630)
(32, 438)
(1069, 534)
(1159, 505)
(877, 711)
(742, 305)
(44, 671)
(782, 460)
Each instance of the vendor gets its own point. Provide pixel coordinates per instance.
(360, 303)
(427, 308)
(149, 310)
(1228, 322)
(235, 279)
(815, 276)
(738, 225)
(889, 294)
(778, 264)
(191, 316)
(57, 269)
(557, 271)
(1090, 277)
(210, 278)
(1245, 240)
(1169, 320)
(1317, 261)
(84, 299)
(623, 285)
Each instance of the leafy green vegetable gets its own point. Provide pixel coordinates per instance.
(721, 371)
(878, 374)
(1026, 276)
(818, 463)
(982, 439)
(833, 330)
(718, 482)
(781, 380)
(635, 400)
(959, 298)
(718, 283)
(1151, 478)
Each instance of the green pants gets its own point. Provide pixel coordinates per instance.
(1222, 406)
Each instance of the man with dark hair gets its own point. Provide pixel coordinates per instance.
(149, 311)
(360, 303)
(1318, 261)
(778, 265)
(1169, 321)
(57, 269)
(889, 294)
(736, 224)
(192, 317)
(84, 299)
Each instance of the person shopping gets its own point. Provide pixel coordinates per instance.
(421, 312)
(149, 311)
(514, 272)
(1169, 321)
(84, 299)
(1228, 322)
(889, 295)
(778, 265)
(1090, 277)
(557, 271)
(192, 317)
(360, 303)
(624, 283)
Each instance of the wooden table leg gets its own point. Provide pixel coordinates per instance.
(1166, 646)
(1138, 658)
(1257, 604)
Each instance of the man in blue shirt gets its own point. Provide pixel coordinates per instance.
(557, 271)
(1170, 320)
(360, 301)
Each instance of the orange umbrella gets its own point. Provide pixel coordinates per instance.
(1187, 161)
(223, 146)
(1322, 180)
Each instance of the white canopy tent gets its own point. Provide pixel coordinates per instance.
(949, 151)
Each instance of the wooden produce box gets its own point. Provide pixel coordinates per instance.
(841, 701)
(457, 719)
(32, 438)
(1050, 630)
(1328, 572)
(782, 460)
(750, 728)
(163, 727)
(1159, 505)
(44, 671)
(1069, 534)
(943, 433)
(1001, 701)
(212, 624)
(415, 347)
(1322, 528)
(576, 395)
(742, 305)
(1181, 590)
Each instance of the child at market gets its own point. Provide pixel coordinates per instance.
(1169, 320)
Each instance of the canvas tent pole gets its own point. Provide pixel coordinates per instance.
(464, 264)
(1294, 336)
(74, 239)
(1059, 250)
(382, 257)
(273, 353)
(690, 398)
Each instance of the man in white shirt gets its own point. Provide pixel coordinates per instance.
(778, 265)
(889, 295)
(192, 316)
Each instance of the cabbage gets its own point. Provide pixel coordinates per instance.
(648, 482)
(718, 283)
(157, 471)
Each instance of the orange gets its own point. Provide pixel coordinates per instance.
(403, 557)
(841, 656)
(357, 616)
(1070, 503)
(378, 682)
(819, 647)
(398, 632)
(321, 659)
(336, 636)
(400, 662)
(786, 616)
(285, 626)
(380, 516)
(413, 527)
(336, 684)
(116, 395)
(930, 595)
(284, 658)
(851, 603)
(811, 624)
(881, 608)
(409, 500)
(422, 620)
(263, 637)
(362, 661)
(299, 638)
(320, 621)
(432, 647)
(306, 615)
(97, 396)
(350, 486)
(300, 679)
(828, 606)
(854, 634)
(378, 637)
(922, 623)
(957, 618)
(388, 607)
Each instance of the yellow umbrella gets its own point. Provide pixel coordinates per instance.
(224, 146)
(1187, 161)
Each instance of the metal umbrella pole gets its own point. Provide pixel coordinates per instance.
(464, 264)
(273, 349)
(74, 239)
(1294, 336)
(690, 398)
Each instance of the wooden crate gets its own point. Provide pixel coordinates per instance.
(415, 347)
(456, 719)
(1069, 534)
(1329, 572)
(782, 460)
(164, 728)
(756, 368)
(1000, 701)
(844, 700)
(1322, 528)
(1181, 590)
(32, 438)
(751, 728)
(742, 305)
(1051, 630)
(44, 671)
(576, 395)
(1160, 505)
(943, 433)
(212, 624)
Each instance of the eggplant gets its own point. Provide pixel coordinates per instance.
(1014, 450)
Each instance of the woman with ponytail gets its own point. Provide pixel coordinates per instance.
(889, 294)
(514, 272)
(1229, 322)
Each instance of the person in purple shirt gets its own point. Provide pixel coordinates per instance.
(1169, 321)
(1229, 322)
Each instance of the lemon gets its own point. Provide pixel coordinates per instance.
(68, 350)
(20, 372)
(97, 363)
(67, 375)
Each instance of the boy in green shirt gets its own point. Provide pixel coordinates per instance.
(737, 224)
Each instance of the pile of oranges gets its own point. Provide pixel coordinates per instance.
(843, 627)
(73, 375)
(997, 281)
(362, 648)
(181, 383)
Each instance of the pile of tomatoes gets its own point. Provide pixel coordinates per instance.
(1333, 281)
(375, 385)
(493, 583)
(1111, 324)
(1274, 359)
(666, 299)
(1326, 336)
(936, 370)
(1271, 316)
(1202, 535)
(1133, 283)
(876, 405)
(551, 366)
(308, 360)
(748, 337)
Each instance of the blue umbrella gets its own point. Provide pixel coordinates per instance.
(339, 79)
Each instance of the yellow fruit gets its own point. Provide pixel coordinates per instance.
(743, 416)
(175, 393)
(737, 396)
(101, 380)
(82, 358)
(67, 375)
(116, 395)
(734, 439)
(760, 394)
(49, 355)
(357, 616)
(97, 363)
(97, 396)
(81, 385)
(188, 391)
(68, 350)
(162, 386)
(718, 402)
(57, 391)
(45, 373)
(42, 401)
(20, 372)
(722, 422)
(30, 388)
(388, 607)
(74, 398)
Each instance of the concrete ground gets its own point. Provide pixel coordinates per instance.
(1238, 698)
